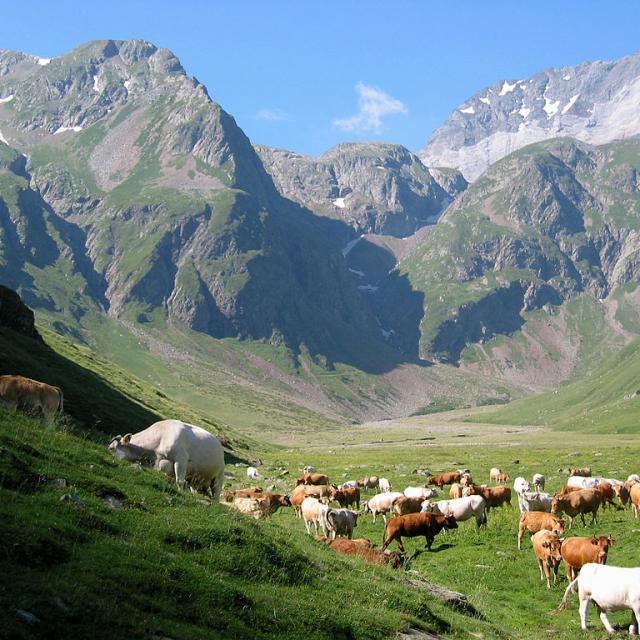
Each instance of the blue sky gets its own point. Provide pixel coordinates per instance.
(306, 75)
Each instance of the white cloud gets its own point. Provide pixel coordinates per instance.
(272, 115)
(373, 105)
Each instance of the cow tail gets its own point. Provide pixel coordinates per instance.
(563, 604)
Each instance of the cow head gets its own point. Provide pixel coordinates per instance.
(558, 527)
(555, 504)
(427, 506)
(122, 449)
(450, 522)
(603, 545)
(553, 550)
(299, 481)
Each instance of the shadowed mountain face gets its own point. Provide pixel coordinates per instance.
(595, 102)
(125, 188)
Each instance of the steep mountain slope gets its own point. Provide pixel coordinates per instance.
(374, 187)
(134, 192)
(595, 102)
(524, 275)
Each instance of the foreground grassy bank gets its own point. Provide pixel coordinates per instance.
(167, 565)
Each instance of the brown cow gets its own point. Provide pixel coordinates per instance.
(309, 491)
(535, 521)
(576, 552)
(623, 494)
(369, 483)
(25, 393)
(444, 478)
(608, 493)
(493, 496)
(312, 478)
(346, 497)
(228, 496)
(403, 505)
(261, 505)
(546, 546)
(416, 524)
(363, 548)
(578, 503)
(585, 472)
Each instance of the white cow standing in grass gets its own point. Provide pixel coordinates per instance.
(184, 451)
(610, 589)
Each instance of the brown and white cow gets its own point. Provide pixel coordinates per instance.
(576, 552)
(25, 393)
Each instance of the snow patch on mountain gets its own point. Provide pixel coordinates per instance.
(485, 100)
(550, 107)
(63, 129)
(570, 104)
(8, 98)
(43, 62)
(468, 110)
(507, 88)
(339, 202)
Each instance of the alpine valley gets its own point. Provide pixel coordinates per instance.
(272, 288)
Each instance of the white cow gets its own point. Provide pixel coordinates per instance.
(384, 486)
(182, 450)
(520, 485)
(460, 508)
(314, 512)
(634, 477)
(341, 522)
(538, 481)
(534, 501)
(583, 483)
(419, 492)
(349, 484)
(610, 589)
(252, 473)
(381, 503)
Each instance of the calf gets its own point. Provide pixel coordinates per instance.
(403, 505)
(578, 503)
(25, 393)
(538, 481)
(498, 476)
(381, 504)
(416, 524)
(444, 478)
(610, 589)
(314, 512)
(576, 552)
(341, 522)
(546, 546)
(312, 478)
(535, 521)
(346, 497)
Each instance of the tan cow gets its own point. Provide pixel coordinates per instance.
(546, 546)
(497, 475)
(535, 521)
(312, 479)
(634, 495)
(576, 552)
(578, 503)
(25, 393)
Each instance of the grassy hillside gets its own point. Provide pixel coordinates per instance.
(606, 400)
(167, 565)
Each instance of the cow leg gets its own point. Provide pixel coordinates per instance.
(540, 567)
(584, 524)
(605, 620)
(384, 517)
(584, 605)
(180, 470)
(307, 527)
(635, 621)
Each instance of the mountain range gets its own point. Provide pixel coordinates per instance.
(367, 282)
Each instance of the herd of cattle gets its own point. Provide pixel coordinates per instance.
(194, 457)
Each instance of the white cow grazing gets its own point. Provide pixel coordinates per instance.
(534, 501)
(610, 589)
(183, 450)
(349, 484)
(583, 483)
(384, 486)
(381, 503)
(314, 512)
(520, 485)
(341, 522)
(419, 492)
(460, 508)
(538, 481)
(252, 473)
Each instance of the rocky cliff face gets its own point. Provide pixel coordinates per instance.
(133, 192)
(595, 102)
(373, 187)
(15, 315)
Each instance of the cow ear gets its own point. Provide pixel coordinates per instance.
(611, 540)
(126, 439)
